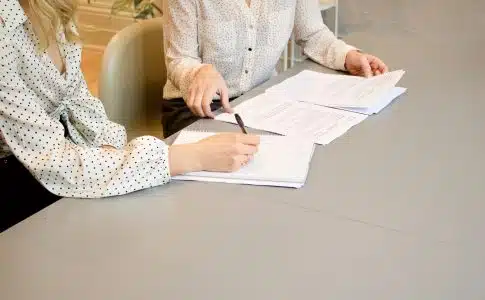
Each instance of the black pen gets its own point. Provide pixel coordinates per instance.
(240, 123)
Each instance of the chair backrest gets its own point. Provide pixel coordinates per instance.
(133, 74)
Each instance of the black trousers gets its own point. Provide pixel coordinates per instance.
(21, 195)
(176, 115)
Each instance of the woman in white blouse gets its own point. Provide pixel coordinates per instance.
(219, 49)
(55, 138)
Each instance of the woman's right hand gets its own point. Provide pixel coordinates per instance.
(206, 85)
(225, 152)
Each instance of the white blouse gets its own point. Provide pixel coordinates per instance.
(243, 43)
(38, 105)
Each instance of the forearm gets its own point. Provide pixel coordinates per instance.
(181, 42)
(88, 114)
(317, 41)
(327, 51)
(72, 171)
(181, 73)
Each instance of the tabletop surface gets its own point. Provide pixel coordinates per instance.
(393, 209)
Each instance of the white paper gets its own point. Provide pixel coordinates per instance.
(195, 177)
(314, 85)
(367, 93)
(274, 113)
(340, 91)
(280, 161)
(385, 101)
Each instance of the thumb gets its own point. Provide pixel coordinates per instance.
(365, 66)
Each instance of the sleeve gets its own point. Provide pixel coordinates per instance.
(67, 169)
(181, 42)
(88, 115)
(317, 41)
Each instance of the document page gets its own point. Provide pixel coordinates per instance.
(340, 91)
(385, 101)
(367, 92)
(274, 113)
(308, 85)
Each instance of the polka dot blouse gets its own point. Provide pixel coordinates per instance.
(243, 42)
(57, 129)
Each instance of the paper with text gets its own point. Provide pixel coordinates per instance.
(380, 105)
(311, 84)
(274, 113)
(340, 91)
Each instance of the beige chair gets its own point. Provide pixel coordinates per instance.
(132, 77)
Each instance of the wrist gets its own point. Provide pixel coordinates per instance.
(184, 158)
(195, 71)
(206, 67)
(348, 57)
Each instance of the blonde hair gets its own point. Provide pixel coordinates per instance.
(55, 15)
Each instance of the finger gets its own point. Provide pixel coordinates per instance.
(377, 64)
(248, 139)
(374, 63)
(383, 68)
(206, 102)
(196, 107)
(248, 160)
(238, 162)
(365, 66)
(191, 98)
(224, 93)
(191, 102)
(374, 67)
(206, 108)
(243, 149)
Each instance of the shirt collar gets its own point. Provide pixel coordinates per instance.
(12, 15)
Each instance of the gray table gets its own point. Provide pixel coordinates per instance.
(391, 210)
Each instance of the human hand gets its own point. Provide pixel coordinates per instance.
(206, 84)
(226, 152)
(363, 64)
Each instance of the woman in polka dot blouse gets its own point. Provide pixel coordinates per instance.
(219, 49)
(55, 138)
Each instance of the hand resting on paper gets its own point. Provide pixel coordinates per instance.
(225, 152)
(207, 83)
(363, 64)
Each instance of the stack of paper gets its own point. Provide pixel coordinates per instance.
(353, 93)
(280, 161)
(316, 106)
(275, 113)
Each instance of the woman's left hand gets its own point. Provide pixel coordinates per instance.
(363, 64)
